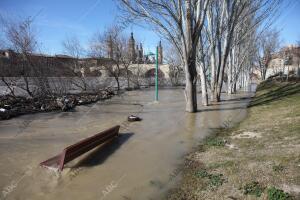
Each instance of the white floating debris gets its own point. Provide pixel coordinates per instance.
(2, 110)
(247, 134)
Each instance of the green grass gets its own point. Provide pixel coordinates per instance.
(269, 161)
(253, 188)
(214, 142)
(278, 168)
(214, 180)
(225, 164)
(277, 194)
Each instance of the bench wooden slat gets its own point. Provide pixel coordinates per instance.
(73, 151)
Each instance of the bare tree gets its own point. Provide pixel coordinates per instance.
(175, 66)
(223, 21)
(73, 47)
(222, 17)
(109, 41)
(267, 44)
(202, 66)
(179, 22)
(137, 75)
(8, 75)
(21, 37)
(124, 57)
(241, 55)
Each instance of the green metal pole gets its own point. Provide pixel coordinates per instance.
(156, 76)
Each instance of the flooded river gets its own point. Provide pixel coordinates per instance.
(141, 164)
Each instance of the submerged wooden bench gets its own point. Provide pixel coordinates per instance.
(81, 147)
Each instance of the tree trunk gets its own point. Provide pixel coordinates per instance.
(220, 84)
(229, 79)
(264, 72)
(203, 87)
(288, 73)
(118, 83)
(191, 87)
(191, 96)
(230, 72)
(298, 71)
(127, 74)
(27, 87)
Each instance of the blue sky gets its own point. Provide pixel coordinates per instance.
(57, 19)
(289, 23)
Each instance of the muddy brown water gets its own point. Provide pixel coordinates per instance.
(141, 164)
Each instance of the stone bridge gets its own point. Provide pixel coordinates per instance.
(146, 70)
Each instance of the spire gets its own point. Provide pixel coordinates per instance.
(140, 54)
(131, 46)
(160, 53)
(110, 51)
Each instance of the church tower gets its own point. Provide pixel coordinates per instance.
(141, 54)
(160, 53)
(131, 46)
(110, 51)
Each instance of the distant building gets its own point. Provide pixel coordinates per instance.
(140, 54)
(136, 52)
(287, 59)
(160, 53)
(132, 50)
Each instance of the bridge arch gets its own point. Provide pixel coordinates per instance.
(151, 73)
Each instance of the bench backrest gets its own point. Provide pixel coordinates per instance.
(75, 150)
(81, 147)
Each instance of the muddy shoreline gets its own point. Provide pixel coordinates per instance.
(11, 107)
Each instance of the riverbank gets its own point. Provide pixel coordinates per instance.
(257, 159)
(15, 106)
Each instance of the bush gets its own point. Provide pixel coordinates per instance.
(215, 180)
(253, 188)
(278, 168)
(277, 194)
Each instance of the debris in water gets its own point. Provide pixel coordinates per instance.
(133, 118)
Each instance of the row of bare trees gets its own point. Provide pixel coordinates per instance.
(26, 69)
(29, 70)
(214, 38)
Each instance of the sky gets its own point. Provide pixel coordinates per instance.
(55, 20)
(288, 23)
